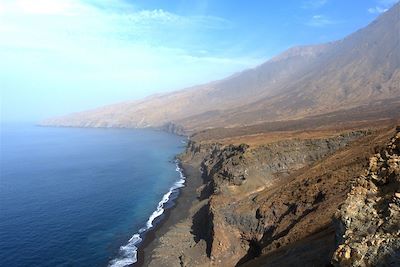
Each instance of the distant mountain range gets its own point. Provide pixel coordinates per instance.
(360, 70)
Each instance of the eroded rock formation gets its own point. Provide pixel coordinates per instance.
(262, 200)
(368, 222)
(286, 202)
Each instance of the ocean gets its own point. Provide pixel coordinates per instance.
(82, 197)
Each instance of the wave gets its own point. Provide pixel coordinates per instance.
(128, 252)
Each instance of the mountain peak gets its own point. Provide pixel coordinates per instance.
(301, 51)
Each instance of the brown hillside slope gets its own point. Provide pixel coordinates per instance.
(357, 70)
(271, 200)
(360, 69)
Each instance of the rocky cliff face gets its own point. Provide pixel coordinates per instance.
(173, 128)
(233, 165)
(263, 199)
(368, 222)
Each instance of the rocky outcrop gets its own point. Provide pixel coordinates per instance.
(251, 203)
(226, 166)
(274, 204)
(173, 128)
(368, 222)
(237, 165)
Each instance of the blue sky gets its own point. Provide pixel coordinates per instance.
(61, 56)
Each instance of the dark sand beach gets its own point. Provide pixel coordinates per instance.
(173, 216)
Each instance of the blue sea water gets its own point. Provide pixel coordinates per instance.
(81, 197)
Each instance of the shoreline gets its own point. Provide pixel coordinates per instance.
(173, 215)
(129, 253)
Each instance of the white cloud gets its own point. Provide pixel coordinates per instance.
(321, 21)
(161, 17)
(382, 6)
(104, 51)
(69, 19)
(376, 10)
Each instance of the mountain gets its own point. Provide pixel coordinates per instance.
(304, 81)
(292, 163)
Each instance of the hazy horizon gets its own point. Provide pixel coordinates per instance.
(75, 55)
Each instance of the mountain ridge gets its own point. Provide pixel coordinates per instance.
(302, 81)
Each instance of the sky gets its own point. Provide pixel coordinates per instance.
(62, 56)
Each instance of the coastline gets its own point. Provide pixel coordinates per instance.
(173, 215)
(128, 253)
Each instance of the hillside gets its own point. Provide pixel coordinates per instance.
(290, 199)
(303, 81)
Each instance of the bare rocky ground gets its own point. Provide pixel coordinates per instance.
(368, 222)
(285, 202)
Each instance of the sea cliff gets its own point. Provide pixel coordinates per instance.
(255, 203)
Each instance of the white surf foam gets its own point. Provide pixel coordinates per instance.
(128, 253)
